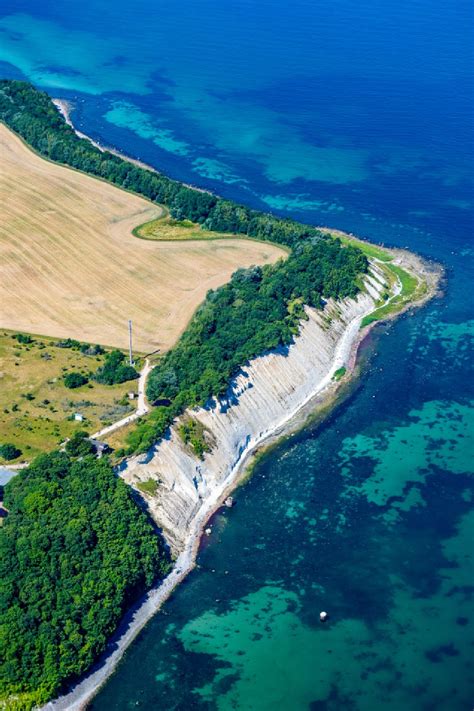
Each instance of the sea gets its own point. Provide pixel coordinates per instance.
(354, 114)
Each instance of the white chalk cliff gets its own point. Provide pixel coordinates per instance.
(266, 393)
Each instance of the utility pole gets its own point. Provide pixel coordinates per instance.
(130, 340)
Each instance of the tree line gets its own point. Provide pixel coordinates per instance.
(31, 113)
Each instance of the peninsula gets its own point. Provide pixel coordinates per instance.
(80, 544)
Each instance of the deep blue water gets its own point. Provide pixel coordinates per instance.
(356, 115)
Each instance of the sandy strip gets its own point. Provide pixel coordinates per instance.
(66, 107)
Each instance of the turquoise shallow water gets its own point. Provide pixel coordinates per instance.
(330, 110)
(356, 115)
(369, 517)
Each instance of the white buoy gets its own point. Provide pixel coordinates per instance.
(208, 531)
(323, 616)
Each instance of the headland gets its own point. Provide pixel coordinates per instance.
(202, 446)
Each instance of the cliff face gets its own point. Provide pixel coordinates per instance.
(262, 397)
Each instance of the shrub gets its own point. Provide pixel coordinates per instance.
(9, 451)
(193, 433)
(68, 343)
(74, 380)
(150, 487)
(91, 350)
(23, 338)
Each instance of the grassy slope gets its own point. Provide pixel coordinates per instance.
(166, 229)
(38, 426)
(412, 287)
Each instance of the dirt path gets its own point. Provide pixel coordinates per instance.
(142, 405)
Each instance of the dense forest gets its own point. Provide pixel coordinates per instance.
(75, 551)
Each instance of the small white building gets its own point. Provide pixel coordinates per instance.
(78, 417)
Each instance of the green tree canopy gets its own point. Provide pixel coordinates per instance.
(79, 445)
(75, 551)
(115, 370)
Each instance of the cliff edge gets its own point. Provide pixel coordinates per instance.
(266, 393)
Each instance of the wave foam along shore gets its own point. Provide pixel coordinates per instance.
(342, 352)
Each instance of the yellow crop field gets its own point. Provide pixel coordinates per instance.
(70, 266)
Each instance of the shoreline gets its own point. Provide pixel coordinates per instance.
(321, 399)
(66, 107)
(86, 689)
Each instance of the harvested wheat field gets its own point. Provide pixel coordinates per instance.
(70, 267)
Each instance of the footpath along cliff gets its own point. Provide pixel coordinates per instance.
(264, 395)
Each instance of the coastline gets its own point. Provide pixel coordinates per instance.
(66, 107)
(84, 691)
(320, 400)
